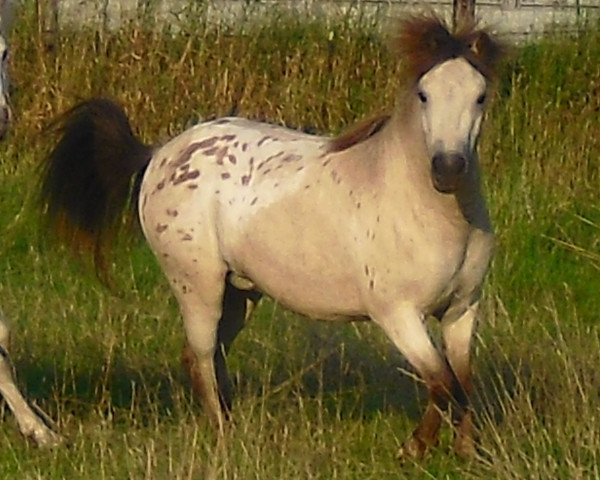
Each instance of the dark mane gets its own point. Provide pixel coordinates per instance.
(424, 42)
(358, 133)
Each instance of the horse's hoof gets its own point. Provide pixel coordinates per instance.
(464, 447)
(43, 437)
(413, 449)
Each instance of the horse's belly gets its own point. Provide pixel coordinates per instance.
(298, 259)
(308, 293)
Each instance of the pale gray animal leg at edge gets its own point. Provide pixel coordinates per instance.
(29, 422)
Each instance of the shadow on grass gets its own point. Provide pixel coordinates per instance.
(353, 380)
(350, 377)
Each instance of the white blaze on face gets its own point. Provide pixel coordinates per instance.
(452, 96)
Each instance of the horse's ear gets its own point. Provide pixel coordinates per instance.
(436, 36)
(485, 49)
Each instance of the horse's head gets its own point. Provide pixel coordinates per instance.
(451, 98)
(448, 80)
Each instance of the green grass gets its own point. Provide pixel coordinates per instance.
(314, 400)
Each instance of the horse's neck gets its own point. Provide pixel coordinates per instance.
(405, 161)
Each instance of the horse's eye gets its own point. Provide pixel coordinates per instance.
(422, 96)
(481, 99)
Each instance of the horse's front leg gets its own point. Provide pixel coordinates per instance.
(30, 423)
(458, 336)
(406, 328)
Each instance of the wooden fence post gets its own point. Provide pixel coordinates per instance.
(47, 17)
(463, 12)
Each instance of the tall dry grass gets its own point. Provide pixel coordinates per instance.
(314, 400)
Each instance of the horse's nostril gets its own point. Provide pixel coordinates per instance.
(449, 164)
(459, 163)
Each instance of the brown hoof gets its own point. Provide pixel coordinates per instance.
(464, 447)
(413, 449)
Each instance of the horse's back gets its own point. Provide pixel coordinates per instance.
(248, 193)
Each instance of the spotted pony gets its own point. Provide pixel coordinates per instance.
(386, 222)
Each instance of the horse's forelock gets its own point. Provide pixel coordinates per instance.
(425, 41)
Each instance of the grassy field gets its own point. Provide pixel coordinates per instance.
(314, 400)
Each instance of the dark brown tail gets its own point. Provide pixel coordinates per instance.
(91, 176)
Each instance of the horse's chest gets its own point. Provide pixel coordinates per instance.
(419, 266)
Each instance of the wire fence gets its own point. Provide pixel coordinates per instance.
(517, 18)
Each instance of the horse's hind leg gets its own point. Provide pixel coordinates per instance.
(30, 423)
(200, 296)
(238, 306)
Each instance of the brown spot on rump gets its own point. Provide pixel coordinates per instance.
(371, 284)
(254, 200)
(210, 151)
(228, 138)
(207, 142)
(193, 186)
(221, 121)
(244, 147)
(186, 176)
(187, 152)
(160, 185)
(163, 162)
(161, 227)
(232, 159)
(291, 157)
(246, 178)
(220, 154)
(357, 134)
(264, 139)
(172, 212)
(225, 175)
(186, 238)
(268, 159)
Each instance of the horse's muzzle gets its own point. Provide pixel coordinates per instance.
(448, 171)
